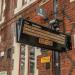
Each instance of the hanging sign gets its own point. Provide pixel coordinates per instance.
(37, 35)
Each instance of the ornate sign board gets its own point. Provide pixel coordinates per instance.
(36, 35)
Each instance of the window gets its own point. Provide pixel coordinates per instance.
(24, 2)
(9, 53)
(22, 59)
(2, 53)
(32, 60)
(47, 66)
(1, 5)
(2, 8)
(21, 4)
(15, 3)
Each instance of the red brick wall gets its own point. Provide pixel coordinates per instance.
(67, 59)
(7, 31)
(42, 66)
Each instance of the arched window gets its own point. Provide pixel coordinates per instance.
(2, 8)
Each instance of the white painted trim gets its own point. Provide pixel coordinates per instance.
(37, 52)
(42, 3)
(72, 0)
(2, 20)
(0, 6)
(15, 57)
(2, 54)
(3, 72)
(21, 7)
(0, 38)
(3, 17)
(26, 60)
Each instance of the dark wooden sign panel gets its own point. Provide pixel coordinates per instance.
(36, 35)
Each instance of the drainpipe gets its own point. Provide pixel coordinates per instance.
(56, 55)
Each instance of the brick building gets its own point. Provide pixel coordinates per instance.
(20, 59)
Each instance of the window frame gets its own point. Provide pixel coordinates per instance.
(20, 7)
(0, 38)
(22, 61)
(32, 60)
(24, 2)
(2, 8)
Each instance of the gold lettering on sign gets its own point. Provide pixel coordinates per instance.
(46, 42)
